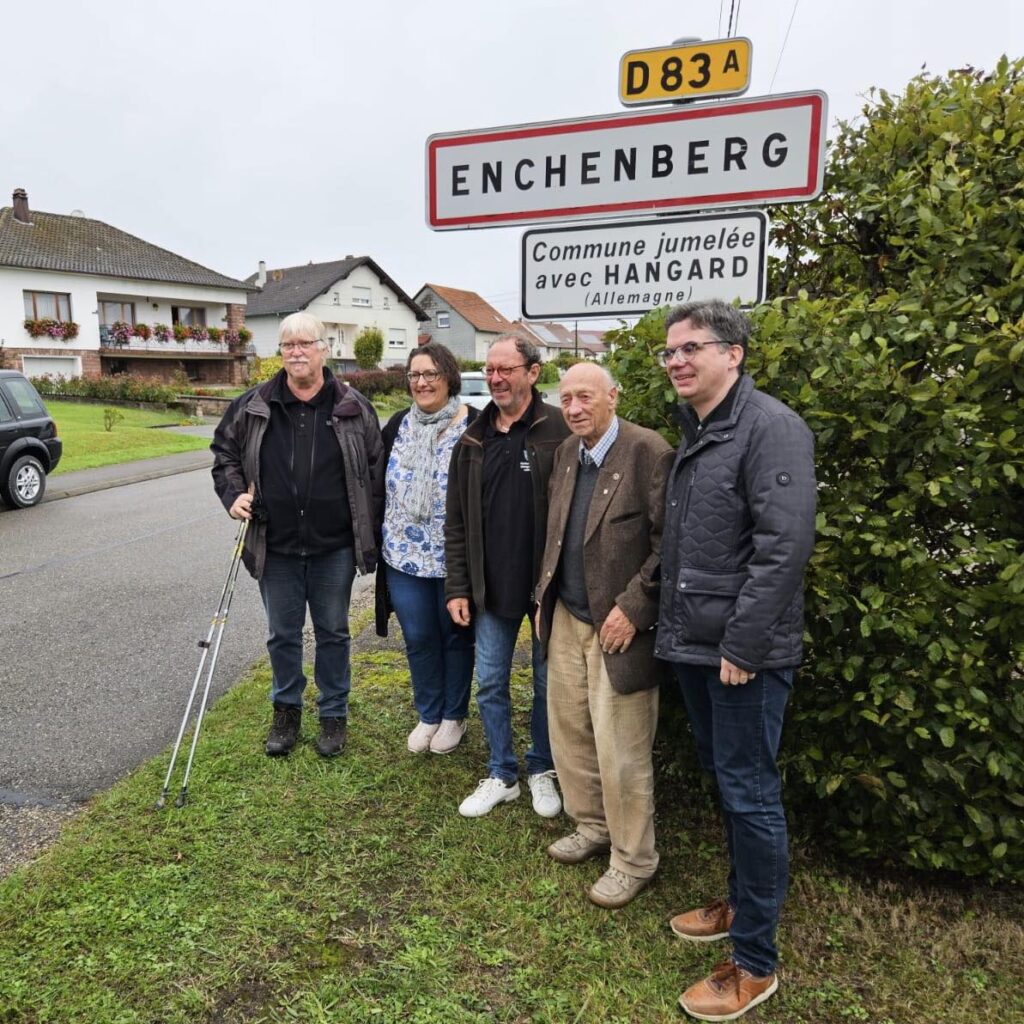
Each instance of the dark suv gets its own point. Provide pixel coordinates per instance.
(29, 445)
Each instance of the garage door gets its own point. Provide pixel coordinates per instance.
(55, 366)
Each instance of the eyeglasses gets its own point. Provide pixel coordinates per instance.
(294, 346)
(429, 376)
(504, 372)
(687, 350)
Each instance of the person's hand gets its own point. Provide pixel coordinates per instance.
(241, 508)
(458, 609)
(733, 675)
(617, 632)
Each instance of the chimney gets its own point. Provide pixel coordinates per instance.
(21, 211)
(261, 274)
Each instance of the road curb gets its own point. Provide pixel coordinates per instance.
(55, 491)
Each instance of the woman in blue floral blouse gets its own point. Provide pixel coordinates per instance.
(418, 443)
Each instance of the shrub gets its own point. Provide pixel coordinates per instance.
(548, 373)
(470, 365)
(263, 368)
(124, 387)
(111, 417)
(566, 359)
(900, 340)
(369, 348)
(377, 382)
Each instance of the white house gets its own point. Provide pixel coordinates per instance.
(65, 280)
(347, 295)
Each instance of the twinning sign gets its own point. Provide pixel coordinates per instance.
(628, 269)
(735, 153)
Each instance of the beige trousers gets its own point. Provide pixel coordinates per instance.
(601, 741)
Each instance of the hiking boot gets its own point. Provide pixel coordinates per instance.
(419, 739)
(615, 889)
(333, 733)
(576, 848)
(727, 993)
(546, 801)
(448, 736)
(705, 924)
(487, 796)
(284, 732)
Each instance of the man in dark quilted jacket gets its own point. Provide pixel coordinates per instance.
(739, 529)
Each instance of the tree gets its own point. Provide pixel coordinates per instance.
(369, 348)
(898, 336)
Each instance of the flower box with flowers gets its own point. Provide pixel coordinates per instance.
(45, 327)
(162, 332)
(121, 332)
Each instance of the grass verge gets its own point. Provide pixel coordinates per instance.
(88, 445)
(352, 891)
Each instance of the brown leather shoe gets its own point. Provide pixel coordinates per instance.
(705, 924)
(727, 993)
(576, 848)
(615, 889)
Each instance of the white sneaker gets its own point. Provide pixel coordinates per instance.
(420, 737)
(448, 736)
(487, 796)
(546, 801)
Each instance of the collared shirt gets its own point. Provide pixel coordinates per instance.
(600, 450)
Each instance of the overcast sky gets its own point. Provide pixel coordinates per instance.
(295, 131)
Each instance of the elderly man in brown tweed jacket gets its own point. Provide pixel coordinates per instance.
(597, 603)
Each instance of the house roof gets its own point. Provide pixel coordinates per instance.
(480, 313)
(80, 245)
(290, 289)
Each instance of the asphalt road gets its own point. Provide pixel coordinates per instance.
(103, 597)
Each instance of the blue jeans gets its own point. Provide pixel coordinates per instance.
(737, 730)
(324, 582)
(440, 653)
(495, 645)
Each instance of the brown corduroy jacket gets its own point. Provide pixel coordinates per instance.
(622, 544)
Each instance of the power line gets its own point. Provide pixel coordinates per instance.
(784, 41)
(732, 7)
(721, 4)
(736, 27)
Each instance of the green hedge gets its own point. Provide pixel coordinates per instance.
(125, 387)
(901, 342)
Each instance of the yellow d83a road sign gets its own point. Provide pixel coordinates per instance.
(720, 67)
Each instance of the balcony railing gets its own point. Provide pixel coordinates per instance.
(172, 348)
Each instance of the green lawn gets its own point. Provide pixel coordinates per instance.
(87, 444)
(352, 891)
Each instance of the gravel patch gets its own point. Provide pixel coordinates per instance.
(27, 831)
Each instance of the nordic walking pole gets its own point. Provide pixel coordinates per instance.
(218, 619)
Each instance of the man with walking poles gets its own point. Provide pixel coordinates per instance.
(301, 457)
(739, 529)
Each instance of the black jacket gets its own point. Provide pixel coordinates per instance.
(382, 599)
(464, 526)
(739, 529)
(236, 465)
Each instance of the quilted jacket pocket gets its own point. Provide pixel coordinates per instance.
(705, 601)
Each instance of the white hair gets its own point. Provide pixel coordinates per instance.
(304, 324)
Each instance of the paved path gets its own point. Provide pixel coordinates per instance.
(103, 597)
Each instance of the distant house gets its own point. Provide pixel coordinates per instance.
(583, 342)
(67, 280)
(347, 295)
(461, 320)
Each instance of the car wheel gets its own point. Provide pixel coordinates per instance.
(25, 483)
